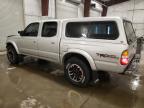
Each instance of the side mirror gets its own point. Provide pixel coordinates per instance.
(21, 33)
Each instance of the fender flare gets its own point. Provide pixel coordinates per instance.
(84, 54)
(14, 45)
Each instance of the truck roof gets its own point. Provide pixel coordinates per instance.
(85, 18)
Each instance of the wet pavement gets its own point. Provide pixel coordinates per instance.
(32, 85)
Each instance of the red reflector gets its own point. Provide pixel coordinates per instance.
(124, 61)
(124, 58)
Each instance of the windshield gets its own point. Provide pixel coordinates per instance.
(130, 33)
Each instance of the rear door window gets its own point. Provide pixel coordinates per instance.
(95, 30)
(49, 29)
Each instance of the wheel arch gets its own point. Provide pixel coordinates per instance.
(14, 45)
(82, 55)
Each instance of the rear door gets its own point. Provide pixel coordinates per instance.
(131, 38)
(48, 43)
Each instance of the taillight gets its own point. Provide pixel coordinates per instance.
(124, 58)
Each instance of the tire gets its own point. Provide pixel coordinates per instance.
(12, 55)
(77, 72)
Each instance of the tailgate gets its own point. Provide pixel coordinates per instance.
(132, 50)
(131, 38)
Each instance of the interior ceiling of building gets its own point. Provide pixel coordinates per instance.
(111, 2)
(104, 2)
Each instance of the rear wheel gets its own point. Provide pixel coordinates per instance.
(12, 55)
(77, 72)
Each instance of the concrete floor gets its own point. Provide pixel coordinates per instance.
(31, 85)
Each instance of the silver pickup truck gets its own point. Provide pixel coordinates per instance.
(82, 45)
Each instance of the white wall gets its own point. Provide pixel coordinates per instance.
(66, 10)
(51, 12)
(95, 13)
(32, 11)
(11, 19)
(69, 10)
(132, 10)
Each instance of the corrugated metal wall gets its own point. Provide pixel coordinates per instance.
(69, 10)
(132, 10)
(66, 10)
(11, 19)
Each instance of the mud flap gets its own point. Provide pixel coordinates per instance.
(133, 67)
(94, 77)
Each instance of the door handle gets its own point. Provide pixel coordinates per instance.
(52, 42)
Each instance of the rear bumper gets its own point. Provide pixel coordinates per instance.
(133, 65)
(110, 67)
(118, 68)
(129, 65)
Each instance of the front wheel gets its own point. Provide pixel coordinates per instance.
(77, 72)
(12, 55)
